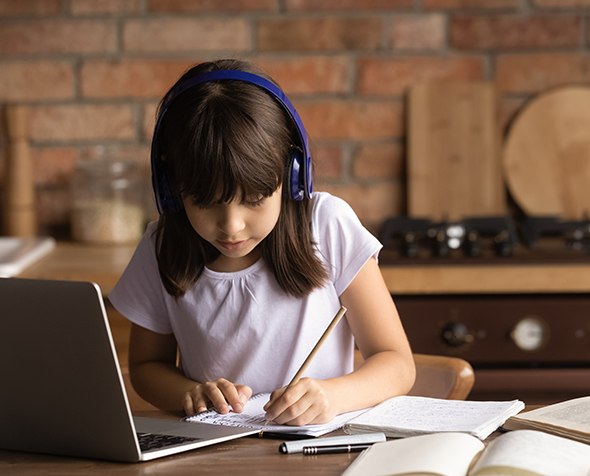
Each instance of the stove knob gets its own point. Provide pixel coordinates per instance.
(530, 333)
(410, 245)
(456, 334)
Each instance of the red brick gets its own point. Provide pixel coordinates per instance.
(457, 4)
(305, 75)
(395, 75)
(536, 72)
(418, 32)
(53, 165)
(512, 31)
(372, 203)
(82, 122)
(379, 161)
(561, 3)
(130, 78)
(11, 8)
(334, 5)
(352, 119)
(327, 162)
(104, 7)
(317, 34)
(184, 6)
(33, 80)
(187, 34)
(57, 36)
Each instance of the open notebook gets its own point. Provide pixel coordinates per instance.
(62, 390)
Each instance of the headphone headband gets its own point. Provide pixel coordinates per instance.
(302, 179)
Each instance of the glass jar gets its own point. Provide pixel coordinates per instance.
(107, 202)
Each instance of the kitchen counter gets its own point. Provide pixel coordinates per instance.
(82, 262)
(104, 265)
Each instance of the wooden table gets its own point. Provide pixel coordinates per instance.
(249, 456)
(241, 457)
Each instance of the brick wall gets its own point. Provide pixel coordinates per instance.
(93, 71)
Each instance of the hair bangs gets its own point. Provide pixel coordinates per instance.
(233, 154)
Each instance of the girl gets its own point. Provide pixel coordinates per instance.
(246, 267)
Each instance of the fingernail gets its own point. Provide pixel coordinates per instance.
(243, 398)
(239, 408)
(223, 409)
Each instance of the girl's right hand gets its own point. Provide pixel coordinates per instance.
(220, 394)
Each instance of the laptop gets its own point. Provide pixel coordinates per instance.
(61, 388)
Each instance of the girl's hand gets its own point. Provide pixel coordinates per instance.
(308, 402)
(220, 394)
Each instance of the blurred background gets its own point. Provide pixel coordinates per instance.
(92, 72)
(458, 130)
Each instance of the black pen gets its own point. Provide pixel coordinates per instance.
(324, 450)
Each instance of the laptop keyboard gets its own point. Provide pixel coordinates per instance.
(154, 441)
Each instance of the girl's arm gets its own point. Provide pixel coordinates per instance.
(157, 379)
(388, 369)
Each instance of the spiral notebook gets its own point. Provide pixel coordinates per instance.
(253, 417)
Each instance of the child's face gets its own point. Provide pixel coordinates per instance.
(235, 228)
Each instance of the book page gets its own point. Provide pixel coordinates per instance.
(536, 452)
(443, 454)
(574, 414)
(253, 417)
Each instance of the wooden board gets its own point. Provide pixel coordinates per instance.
(454, 161)
(547, 154)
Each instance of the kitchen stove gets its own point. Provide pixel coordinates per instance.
(519, 316)
(489, 237)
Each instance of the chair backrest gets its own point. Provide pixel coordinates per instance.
(442, 377)
(439, 376)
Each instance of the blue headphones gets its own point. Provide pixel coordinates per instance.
(300, 168)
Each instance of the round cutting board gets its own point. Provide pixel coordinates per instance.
(546, 157)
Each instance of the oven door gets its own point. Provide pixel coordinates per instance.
(533, 346)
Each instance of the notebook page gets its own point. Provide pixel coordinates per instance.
(253, 417)
(434, 415)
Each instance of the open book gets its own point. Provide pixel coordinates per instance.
(253, 417)
(526, 453)
(411, 416)
(570, 419)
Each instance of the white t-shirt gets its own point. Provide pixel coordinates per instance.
(242, 326)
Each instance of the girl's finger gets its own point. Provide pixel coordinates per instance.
(215, 395)
(297, 413)
(230, 392)
(187, 404)
(285, 400)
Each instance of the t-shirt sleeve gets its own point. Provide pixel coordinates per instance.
(343, 242)
(139, 294)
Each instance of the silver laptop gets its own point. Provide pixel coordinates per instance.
(61, 389)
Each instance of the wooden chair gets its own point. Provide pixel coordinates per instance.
(438, 376)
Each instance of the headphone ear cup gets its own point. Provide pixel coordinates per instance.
(296, 176)
(165, 200)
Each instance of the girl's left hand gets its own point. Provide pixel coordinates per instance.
(309, 402)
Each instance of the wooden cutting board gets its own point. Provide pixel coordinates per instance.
(454, 155)
(546, 156)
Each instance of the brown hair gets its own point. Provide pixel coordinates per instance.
(234, 137)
